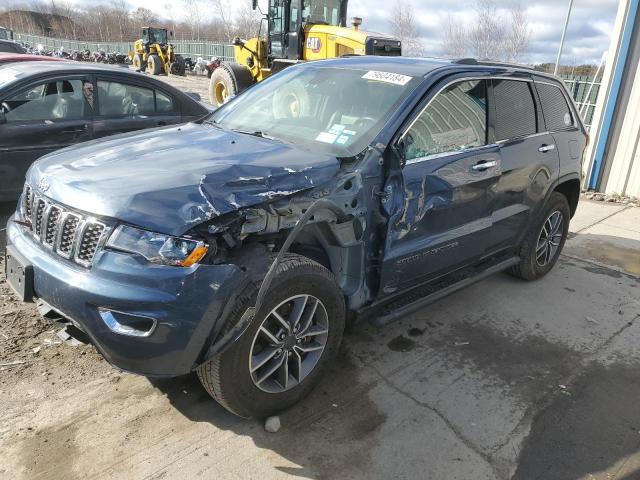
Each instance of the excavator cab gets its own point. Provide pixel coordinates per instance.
(287, 21)
(155, 35)
(297, 31)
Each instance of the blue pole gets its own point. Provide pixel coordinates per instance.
(610, 105)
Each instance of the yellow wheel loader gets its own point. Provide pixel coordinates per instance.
(298, 31)
(155, 54)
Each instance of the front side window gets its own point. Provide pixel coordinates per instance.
(515, 109)
(117, 99)
(556, 111)
(50, 101)
(455, 120)
(334, 110)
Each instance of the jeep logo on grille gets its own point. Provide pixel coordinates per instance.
(43, 185)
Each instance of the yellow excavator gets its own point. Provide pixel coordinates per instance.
(155, 54)
(298, 31)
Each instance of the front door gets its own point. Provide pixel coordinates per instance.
(277, 30)
(443, 216)
(39, 119)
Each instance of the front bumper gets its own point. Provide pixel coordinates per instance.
(186, 303)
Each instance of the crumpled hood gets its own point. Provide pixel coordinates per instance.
(170, 179)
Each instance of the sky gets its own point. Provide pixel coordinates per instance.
(587, 37)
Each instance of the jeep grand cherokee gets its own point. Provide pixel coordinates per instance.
(240, 246)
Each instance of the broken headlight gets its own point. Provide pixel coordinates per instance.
(157, 247)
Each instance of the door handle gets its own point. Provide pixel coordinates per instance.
(484, 165)
(546, 148)
(81, 129)
(162, 123)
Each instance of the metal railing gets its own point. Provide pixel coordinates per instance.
(187, 48)
(584, 91)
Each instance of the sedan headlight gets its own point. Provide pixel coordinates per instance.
(156, 247)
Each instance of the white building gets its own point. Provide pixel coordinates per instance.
(612, 162)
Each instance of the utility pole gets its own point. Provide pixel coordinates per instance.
(564, 33)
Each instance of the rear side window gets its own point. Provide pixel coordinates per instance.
(456, 119)
(117, 99)
(515, 109)
(556, 111)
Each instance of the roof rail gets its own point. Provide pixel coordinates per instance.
(473, 61)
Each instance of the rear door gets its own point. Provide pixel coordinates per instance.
(561, 121)
(125, 106)
(529, 157)
(41, 117)
(442, 214)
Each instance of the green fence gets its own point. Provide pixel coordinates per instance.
(187, 48)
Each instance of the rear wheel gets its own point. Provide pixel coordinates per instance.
(178, 66)
(544, 242)
(228, 80)
(137, 62)
(283, 354)
(154, 65)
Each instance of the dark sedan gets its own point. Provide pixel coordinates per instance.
(45, 106)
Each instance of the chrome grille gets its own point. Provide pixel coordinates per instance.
(71, 235)
(89, 240)
(67, 237)
(51, 228)
(39, 206)
(27, 201)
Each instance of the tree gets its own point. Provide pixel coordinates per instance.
(492, 36)
(455, 39)
(517, 40)
(247, 22)
(403, 26)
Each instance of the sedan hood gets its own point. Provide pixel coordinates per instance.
(170, 179)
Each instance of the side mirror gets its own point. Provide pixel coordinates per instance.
(3, 117)
(171, 33)
(255, 4)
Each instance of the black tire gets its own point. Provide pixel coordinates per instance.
(178, 67)
(138, 63)
(227, 377)
(529, 267)
(228, 80)
(154, 65)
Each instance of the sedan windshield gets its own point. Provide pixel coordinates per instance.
(333, 110)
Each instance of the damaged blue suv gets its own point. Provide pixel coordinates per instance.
(240, 246)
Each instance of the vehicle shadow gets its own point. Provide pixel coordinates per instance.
(330, 431)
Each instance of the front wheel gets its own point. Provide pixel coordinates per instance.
(283, 354)
(154, 65)
(545, 240)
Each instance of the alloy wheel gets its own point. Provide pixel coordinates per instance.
(549, 239)
(288, 344)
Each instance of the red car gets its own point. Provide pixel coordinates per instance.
(25, 57)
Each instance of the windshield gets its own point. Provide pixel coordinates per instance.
(319, 11)
(334, 110)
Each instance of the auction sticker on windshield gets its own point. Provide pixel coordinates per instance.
(387, 77)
